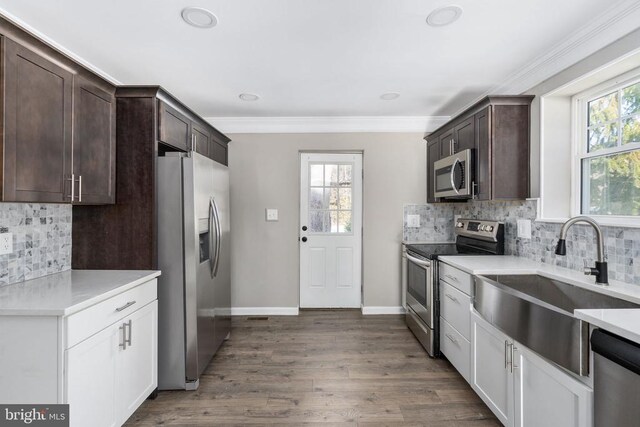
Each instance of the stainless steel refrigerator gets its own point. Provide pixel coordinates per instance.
(194, 290)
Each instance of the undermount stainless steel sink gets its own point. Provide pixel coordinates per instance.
(537, 312)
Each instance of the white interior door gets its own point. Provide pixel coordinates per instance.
(330, 230)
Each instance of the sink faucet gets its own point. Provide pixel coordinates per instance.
(600, 270)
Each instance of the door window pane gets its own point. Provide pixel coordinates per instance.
(333, 197)
(344, 221)
(316, 175)
(612, 184)
(316, 198)
(330, 175)
(318, 221)
(345, 175)
(345, 198)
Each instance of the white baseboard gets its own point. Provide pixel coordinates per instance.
(383, 310)
(264, 311)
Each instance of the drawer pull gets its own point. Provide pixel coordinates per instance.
(451, 297)
(127, 305)
(452, 338)
(448, 276)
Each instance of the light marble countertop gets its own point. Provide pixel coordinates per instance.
(65, 293)
(505, 264)
(624, 322)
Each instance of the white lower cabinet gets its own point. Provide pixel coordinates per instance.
(490, 376)
(111, 373)
(547, 396)
(520, 387)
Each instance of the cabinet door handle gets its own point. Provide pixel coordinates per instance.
(128, 340)
(451, 297)
(123, 344)
(73, 184)
(80, 188)
(452, 338)
(506, 345)
(513, 360)
(127, 305)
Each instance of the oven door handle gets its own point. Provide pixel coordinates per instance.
(418, 261)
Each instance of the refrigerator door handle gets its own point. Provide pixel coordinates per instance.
(218, 237)
(211, 226)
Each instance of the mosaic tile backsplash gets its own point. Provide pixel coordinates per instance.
(622, 245)
(41, 240)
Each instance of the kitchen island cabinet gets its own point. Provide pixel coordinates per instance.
(84, 338)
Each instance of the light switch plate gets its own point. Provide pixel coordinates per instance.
(272, 214)
(6, 243)
(413, 221)
(524, 228)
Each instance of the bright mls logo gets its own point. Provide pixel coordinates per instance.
(34, 415)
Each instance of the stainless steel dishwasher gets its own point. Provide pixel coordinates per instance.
(616, 380)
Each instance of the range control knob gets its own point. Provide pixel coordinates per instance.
(490, 228)
(459, 224)
(481, 228)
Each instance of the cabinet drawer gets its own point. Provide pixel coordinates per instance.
(456, 348)
(87, 322)
(456, 278)
(455, 308)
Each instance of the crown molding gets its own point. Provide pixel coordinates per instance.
(337, 124)
(43, 37)
(604, 29)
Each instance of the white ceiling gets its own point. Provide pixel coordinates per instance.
(312, 57)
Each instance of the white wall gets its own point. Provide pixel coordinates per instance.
(265, 174)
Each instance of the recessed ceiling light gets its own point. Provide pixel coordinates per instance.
(248, 97)
(199, 17)
(390, 96)
(444, 16)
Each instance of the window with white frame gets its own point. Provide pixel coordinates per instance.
(608, 151)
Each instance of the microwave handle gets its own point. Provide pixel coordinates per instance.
(452, 176)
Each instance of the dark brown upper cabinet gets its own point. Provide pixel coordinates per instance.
(58, 138)
(497, 128)
(37, 134)
(175, 128)
(94, 144)
(201, 139)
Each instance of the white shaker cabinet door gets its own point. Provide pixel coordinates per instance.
(491, 377)
(547, 396)
(137, 365)
(91, 379)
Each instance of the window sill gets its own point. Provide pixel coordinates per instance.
(604, 221)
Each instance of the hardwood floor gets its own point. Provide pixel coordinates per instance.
(329, 367)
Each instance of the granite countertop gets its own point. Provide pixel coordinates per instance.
(624, 322)
(65, 293)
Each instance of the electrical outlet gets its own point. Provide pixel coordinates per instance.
(271, 214)
(6, 243)
(524, 228)
(413, 221)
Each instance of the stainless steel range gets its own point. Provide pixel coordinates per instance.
(473, 237)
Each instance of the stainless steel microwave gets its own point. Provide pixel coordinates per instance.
(453, 176)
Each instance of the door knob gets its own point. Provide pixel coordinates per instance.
(304, 239)
(304, 228)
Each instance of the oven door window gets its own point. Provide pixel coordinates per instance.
(417, 283)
